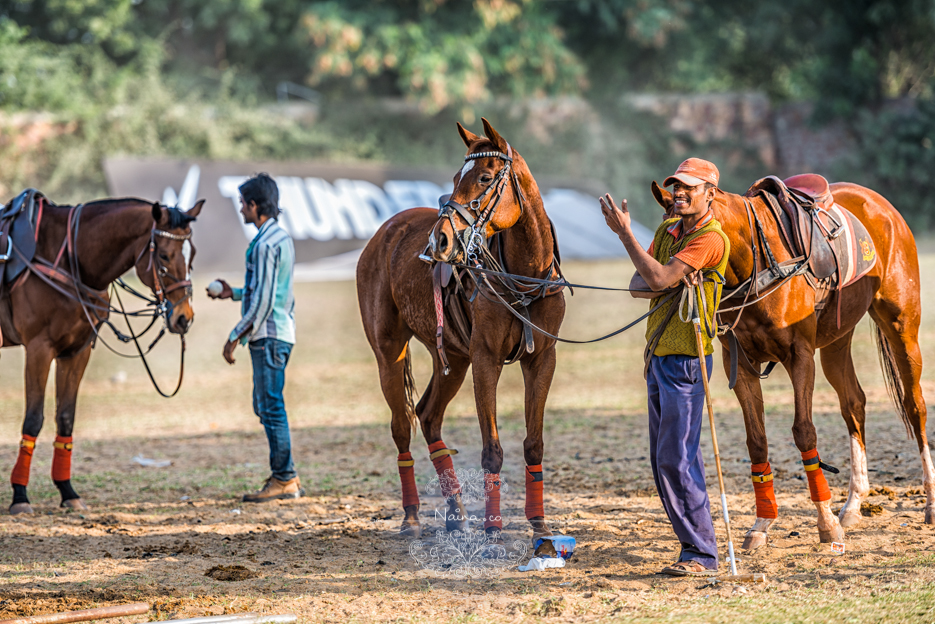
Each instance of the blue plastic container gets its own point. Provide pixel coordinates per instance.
(564, 544)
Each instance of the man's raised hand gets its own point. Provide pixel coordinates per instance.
(618, 219)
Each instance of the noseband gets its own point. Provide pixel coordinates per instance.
(473, 237)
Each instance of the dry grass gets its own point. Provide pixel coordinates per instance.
(320, 556)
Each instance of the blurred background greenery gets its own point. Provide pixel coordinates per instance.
(566, 81)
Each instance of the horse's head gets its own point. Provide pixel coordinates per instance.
(664, 199)
(486, 197)
(166, 263)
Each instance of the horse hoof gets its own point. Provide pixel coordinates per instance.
(929, 515)
(495, 535)
(850, 519)
(754, 540)
(20, 508)
(74, 503)
(460, 524)
(411, 530)
(834, 535)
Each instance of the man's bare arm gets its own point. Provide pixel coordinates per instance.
(657, 276)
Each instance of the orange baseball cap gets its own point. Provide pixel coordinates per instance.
(693, 172)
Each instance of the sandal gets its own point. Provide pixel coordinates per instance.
(688, 568)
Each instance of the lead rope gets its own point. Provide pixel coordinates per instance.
(440, 318)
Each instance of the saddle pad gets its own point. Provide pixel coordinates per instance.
(853, 248)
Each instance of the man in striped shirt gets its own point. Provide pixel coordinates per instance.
(268, 324)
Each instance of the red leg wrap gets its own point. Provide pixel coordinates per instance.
(61, 459)
(534, 506)
(407, 476)
(817, 485)
(492, 491)
(765, 496)
(445, 469)
(20, 474)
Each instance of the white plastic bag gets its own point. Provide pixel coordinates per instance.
(538, 564)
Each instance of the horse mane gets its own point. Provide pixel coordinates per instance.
(178, 219)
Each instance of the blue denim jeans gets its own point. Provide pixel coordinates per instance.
(676, 411)
(270, 357)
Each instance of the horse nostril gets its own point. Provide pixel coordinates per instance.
(183, 323)
(442, 242)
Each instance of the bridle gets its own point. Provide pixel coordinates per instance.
(159, 272)
(473, 239)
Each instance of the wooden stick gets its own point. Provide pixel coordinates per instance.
(84, 615)
(717, 455)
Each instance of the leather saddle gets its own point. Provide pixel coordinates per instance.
(18, 223)
(801, 207)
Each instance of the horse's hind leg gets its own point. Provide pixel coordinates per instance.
(38, 360)
(431, 412)
(838, 366)
(898, 342)
(68, 374)
(394, 362)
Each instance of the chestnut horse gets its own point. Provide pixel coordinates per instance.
(91, 245)
(495, 198)
(784, 327)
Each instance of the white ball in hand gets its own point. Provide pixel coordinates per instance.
(215, 288)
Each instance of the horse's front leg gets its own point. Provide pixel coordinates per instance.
(750, 395)
(68, 374)
(801, 368)
(486, 366)
(537, 373)
(38, 360)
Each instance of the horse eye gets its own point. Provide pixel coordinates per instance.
(486, 178)
(163, 256)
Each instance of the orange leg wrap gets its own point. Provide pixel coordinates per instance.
(61, 459)
(534, 505)
(817, 485)
(445, 469)
(492, 491)
(20, 474)
(407, 476)
(765, 496)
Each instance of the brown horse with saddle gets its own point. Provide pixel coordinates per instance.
(807, 261)
(57, 265)
(493, 220)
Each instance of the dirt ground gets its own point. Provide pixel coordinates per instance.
(152, 534)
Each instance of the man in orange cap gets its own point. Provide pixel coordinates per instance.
(682, 248)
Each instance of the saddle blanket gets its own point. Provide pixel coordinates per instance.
(853, 247)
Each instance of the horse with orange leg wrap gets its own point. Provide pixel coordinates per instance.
(495, 199)
(784, 327)
(80, 250)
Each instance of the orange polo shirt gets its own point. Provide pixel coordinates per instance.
(700, 253)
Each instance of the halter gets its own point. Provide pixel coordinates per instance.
(473, 238)
(159, 287)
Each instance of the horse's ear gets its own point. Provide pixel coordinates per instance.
(494, 136)
(157, 212)
(467, 136)
(195, 210)
(663, 197)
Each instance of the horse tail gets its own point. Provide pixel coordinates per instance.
(891, 376)
(409, 385)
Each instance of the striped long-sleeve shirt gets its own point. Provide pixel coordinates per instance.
(267, 301)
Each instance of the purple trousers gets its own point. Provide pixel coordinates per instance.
(676, 411)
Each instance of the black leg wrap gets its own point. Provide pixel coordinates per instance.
(19, 494)
(64, 487)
